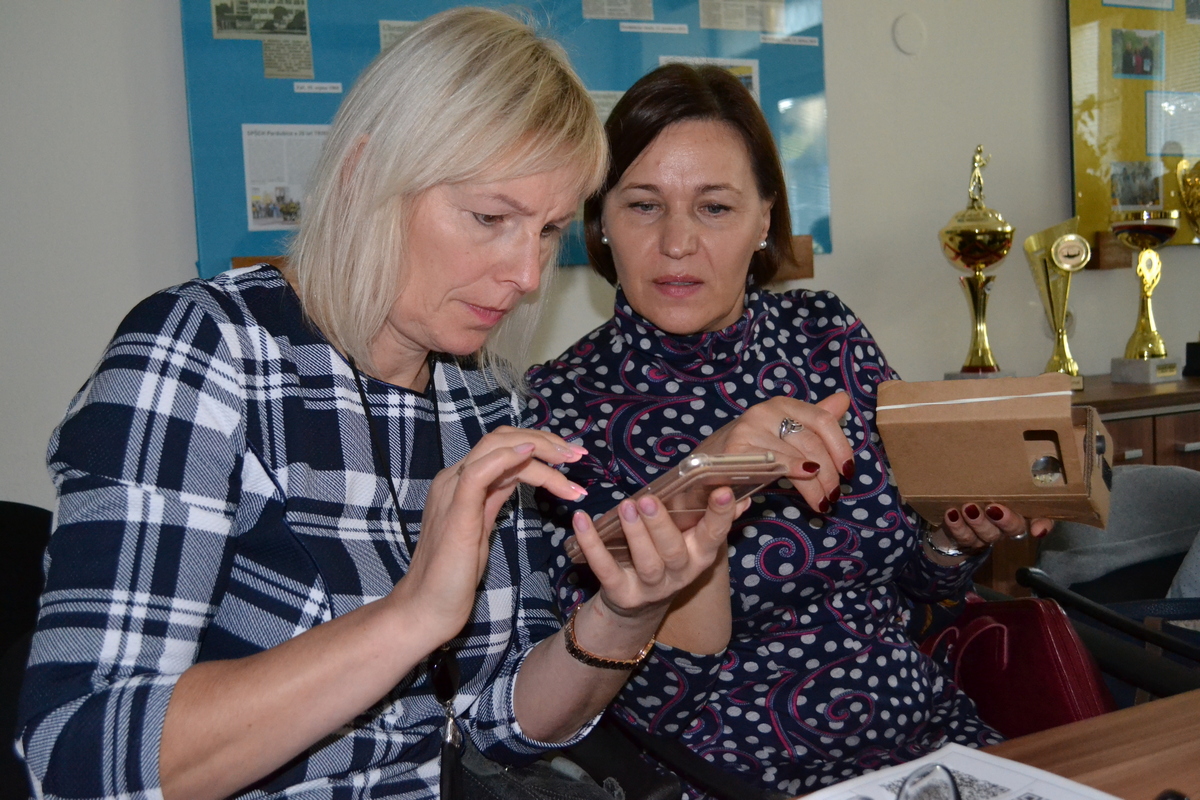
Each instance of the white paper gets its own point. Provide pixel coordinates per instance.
(1173, 117)
(803, 41)
(278, 160)
(742, 15)
(604, 102)
(744, 69)
(979, 775)
(393, 30)
(653, 27)
(618, 9)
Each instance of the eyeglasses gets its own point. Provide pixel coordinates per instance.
(930, 782)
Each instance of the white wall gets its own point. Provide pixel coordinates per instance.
(95, 200)
(96, 212)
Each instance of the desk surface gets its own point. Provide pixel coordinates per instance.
(1109, 397)
(1134, 753)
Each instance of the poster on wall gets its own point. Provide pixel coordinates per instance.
(264, 80)
(1135, 107)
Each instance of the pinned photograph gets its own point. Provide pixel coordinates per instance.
(1137, 54)
(1135, 186)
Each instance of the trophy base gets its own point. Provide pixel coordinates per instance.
(1145, 370)
(1191, 368)
(965, 376)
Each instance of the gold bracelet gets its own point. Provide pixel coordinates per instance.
(593, 660)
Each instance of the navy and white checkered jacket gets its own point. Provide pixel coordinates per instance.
(218, 496)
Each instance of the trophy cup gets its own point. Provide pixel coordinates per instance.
(1189, 192)
(1054, 255)
(973, 240)
(1145, 358)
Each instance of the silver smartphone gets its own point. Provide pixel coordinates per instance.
(684, 491)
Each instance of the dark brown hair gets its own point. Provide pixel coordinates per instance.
(675, 93)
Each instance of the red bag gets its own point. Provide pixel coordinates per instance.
(1023, 665)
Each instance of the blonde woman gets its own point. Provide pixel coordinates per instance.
(293, 551)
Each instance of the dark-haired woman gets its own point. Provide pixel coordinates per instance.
(788, 661)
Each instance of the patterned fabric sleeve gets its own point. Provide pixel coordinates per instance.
(921, 580)
(689, 676)
(149, 474)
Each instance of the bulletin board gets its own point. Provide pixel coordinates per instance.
(264, 80)
(1135, 106)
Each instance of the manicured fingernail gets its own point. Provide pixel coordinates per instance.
(628, 511)
(835, 494)
(824, 506)
(648, 506)
(578, 448)
(811, 466)
(580, 520)
(971, 510)
(524, 449)
(1040, 535)
(995, 512)
(848, 468)
(579, 490)
(952, 515)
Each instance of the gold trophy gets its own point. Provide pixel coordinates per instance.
(973, 240)
(1054, 255)
(1145, 358)
(1189, 192)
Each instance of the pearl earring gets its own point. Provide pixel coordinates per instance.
(603, 240)
(762, 245)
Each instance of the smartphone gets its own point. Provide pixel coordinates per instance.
(684, 491)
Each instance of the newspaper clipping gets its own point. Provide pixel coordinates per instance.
(393, 30)
(743, 15)
(284, 58)
(278, 160)
(618, 9)
(252, 19)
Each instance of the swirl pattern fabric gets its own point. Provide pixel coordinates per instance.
(821, 681)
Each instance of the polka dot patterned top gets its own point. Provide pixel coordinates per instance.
(820, 681)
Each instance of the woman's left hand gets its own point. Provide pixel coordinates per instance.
(974, 526)
(663, 559)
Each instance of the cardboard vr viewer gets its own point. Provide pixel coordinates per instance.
(1013, 441)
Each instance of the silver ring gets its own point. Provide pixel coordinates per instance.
(1020, 536)
(788, 426)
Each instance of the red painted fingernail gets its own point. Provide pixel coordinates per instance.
(835, 494)
(824, 507)
(848, 468)
(952, 515)
(971, 510)
(995, 512)
(811, 466)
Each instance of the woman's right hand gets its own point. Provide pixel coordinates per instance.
(464, 500)
(818, 457)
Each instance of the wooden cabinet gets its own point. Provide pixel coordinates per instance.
(1177, 439)
(1148, 424)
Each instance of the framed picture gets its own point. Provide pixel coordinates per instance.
(1135, 106)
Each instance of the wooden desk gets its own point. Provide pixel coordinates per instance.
(1134, 753)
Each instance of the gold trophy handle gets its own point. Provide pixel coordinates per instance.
(1149, 269)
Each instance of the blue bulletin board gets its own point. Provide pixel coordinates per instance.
(264, 79)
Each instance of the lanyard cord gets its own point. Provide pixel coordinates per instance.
(443, 668)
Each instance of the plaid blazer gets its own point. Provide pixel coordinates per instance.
(217, 496)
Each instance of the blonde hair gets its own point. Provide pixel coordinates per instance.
(471, 94)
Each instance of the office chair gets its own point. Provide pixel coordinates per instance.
(24, 533)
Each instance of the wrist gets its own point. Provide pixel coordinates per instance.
(942, 548)
(598, 631)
